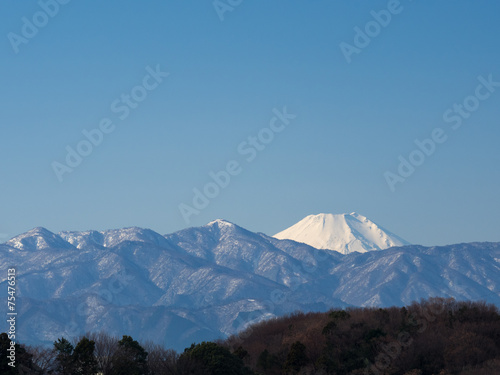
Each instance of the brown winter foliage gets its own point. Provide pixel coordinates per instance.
(437, 336)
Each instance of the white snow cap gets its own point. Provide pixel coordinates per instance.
(344, 233)
(221, 223)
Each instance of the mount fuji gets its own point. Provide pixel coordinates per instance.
(345, 233)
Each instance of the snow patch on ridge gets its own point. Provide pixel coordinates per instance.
(221, 223)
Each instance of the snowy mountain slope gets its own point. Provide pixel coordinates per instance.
(39, 239)
(344, 233)
(208, 282)
(231, 246)
(401, 275)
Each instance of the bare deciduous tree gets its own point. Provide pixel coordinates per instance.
(105, 347)
(161, 361)
(43, 357)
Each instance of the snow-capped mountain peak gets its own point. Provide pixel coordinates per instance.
(38, 239)
(221, 227)
(221, 223)
(113, 237)
(344, 233)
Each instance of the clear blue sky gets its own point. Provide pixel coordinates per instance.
(353, 120)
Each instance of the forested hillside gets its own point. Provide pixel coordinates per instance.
(436, 336)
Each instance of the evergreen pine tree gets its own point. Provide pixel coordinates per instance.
(130, 358)
(64, 357)
(84, 360)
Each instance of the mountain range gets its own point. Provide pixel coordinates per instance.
(212, 281)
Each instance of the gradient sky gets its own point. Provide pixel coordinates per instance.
(353, 120)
